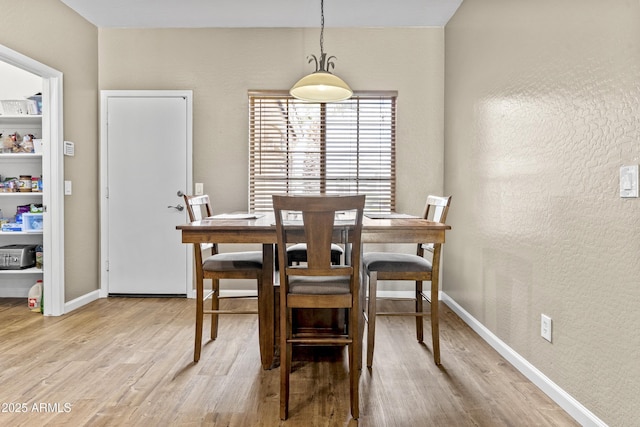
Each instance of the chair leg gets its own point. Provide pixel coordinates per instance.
(199, 320)
(371, 314)
(419, 308)
(355, 356)
(286, 349)
(361, 321)
(435, 328)
(215, 305)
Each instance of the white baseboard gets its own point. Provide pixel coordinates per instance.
(80, 301)
(551, 389)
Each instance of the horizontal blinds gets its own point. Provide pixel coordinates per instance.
(297, 147)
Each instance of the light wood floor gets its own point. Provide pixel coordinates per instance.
(128, 362)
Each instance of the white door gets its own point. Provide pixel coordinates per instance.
(148, 166)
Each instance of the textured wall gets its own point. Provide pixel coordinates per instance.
(51, 33)
(542, 106)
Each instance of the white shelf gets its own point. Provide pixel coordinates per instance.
(20, 233)
(31, 118)
(14, 156)
(22, 194)
(32, 270)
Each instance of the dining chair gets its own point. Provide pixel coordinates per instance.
(217, 266)
(402, 266)
(319, 284)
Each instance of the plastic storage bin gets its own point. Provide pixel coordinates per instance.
(32, 222)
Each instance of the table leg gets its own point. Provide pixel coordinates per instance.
(266, 327)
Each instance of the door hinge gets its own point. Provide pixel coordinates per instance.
(106, 265)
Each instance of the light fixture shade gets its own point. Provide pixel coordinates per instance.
(321, 86)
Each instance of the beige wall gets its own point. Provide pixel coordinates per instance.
(51, 33)
(221, 65)
(542, 107)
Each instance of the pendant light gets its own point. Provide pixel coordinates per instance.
(321, 85)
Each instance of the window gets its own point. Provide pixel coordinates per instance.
(298, 147)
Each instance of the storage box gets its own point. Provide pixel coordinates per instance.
(11, 226)
(32, 222)
(14, 107)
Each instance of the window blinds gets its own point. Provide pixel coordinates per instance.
(297, 147)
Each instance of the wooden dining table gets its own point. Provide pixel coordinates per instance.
(260, 229)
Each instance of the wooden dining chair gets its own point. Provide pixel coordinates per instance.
(319, 283)
(217, 266)
(401, 266)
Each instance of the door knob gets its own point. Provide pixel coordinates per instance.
(180, 193)
(178, 208)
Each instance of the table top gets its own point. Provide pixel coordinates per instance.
(261, 229)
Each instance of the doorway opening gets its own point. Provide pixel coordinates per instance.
(52, 173)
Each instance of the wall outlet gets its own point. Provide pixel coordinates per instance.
(199, 189)
(545, 327)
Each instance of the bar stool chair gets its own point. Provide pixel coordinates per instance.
(401, 266)
(319, 283)
(217, 266)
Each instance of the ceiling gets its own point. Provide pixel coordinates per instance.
(264, 13)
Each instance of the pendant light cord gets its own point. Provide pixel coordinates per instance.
(321, 27)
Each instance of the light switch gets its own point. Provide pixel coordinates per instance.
(67, 188)
(629, 181)
(199, 189)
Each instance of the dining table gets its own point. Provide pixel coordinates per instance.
(259, 228)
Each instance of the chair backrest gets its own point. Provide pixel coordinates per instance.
(198, 208)
(318, 221)
(436, 209)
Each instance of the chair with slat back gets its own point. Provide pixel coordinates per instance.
(401, 266)
(319, 283)
(217, 266)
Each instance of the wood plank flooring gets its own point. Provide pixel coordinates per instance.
(129, 362)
